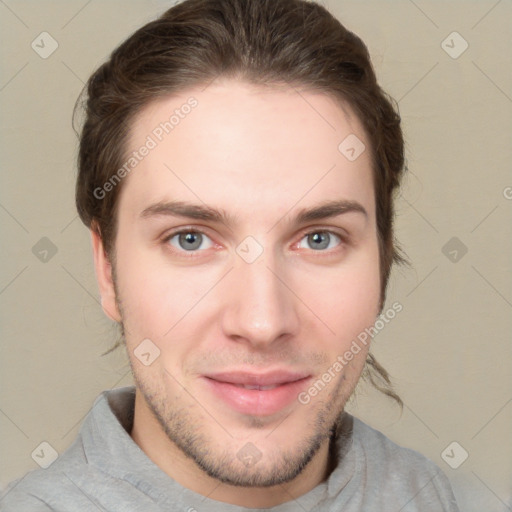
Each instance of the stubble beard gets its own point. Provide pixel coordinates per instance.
(278, 466)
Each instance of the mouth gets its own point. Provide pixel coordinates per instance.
(257, 394)
(259, 388)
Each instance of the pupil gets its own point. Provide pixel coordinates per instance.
(190, 241)
(319, 240)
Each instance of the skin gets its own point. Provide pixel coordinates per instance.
(261, 155)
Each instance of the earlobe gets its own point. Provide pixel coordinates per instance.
(103, 269)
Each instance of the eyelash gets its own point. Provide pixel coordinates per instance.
(344, 239)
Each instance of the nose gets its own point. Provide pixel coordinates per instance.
(259, 308)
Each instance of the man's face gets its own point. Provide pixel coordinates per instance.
(250, 309)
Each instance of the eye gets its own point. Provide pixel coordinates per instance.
(320, 240)
(189, 241)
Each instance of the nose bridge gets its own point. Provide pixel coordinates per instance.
(260, 308)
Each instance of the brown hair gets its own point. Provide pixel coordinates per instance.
(294, 42)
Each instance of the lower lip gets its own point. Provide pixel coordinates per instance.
(257, 402)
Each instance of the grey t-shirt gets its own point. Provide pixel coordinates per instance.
(104, 470)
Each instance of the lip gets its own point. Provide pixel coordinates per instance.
(273, 391)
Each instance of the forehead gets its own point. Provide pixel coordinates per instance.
(240, 147)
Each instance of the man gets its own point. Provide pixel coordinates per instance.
(237, 167)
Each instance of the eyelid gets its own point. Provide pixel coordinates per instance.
(345, 237)
(185, 229)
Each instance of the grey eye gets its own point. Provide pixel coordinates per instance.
(320, 240)
(190, 241)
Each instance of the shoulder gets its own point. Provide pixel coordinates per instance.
(18, 497)
(36, 490)
(60, 483)
(401, 471)
(379, 450)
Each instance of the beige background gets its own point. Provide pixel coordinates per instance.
(449, 350)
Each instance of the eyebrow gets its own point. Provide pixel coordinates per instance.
(323, 211)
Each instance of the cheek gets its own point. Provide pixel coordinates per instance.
(159, 301)
(344, 298)
(144, 291)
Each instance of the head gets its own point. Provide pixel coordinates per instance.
(243, 109)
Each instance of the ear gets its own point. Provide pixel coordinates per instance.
(103, 269)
